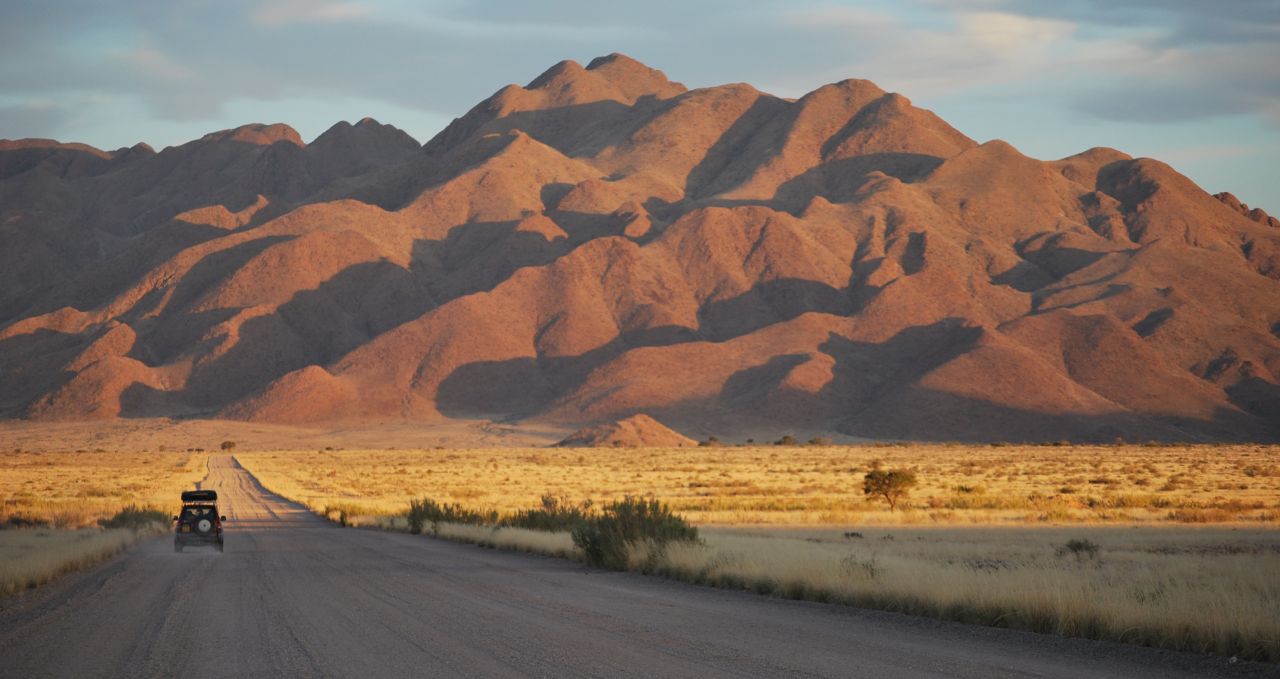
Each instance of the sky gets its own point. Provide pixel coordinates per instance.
(1195, 83)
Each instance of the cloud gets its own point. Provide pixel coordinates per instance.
(182, 61)
(1185, 21)
(1170, 61)
(1157, 83)
(966, 49)
(276, 13)
(154, 65)
(1190, 155)
(1011, 34)
(36, 118)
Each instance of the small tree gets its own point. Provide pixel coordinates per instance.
(892, 485)
(228, 445)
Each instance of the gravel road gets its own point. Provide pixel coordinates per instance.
(294, 596)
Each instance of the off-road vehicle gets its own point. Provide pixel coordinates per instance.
(199, 522)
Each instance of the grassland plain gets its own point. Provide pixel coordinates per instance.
(1174, 547)
(61, 511)
(77, 489)
(805, 485)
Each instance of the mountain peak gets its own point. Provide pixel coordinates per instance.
(39, 143)
(634, 78)
(612, 77)
(257, 133)
(560, 71)
(613, 58)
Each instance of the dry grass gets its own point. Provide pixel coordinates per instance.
(960, 484)
(70, 490)
(29, 558)
(1187, 541)
(1209, 590)
(983, 539)
(511, 539)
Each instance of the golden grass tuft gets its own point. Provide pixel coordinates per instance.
(511, 539)
(29, 558)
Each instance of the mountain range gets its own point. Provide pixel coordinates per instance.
(604, 242)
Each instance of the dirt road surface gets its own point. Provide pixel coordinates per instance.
(294, 596)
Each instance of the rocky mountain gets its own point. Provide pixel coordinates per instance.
(637, 431)
(605, 242)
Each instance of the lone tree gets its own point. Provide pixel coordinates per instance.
(228, 445)
(892, 484)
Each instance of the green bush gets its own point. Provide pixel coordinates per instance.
(428, 511)
(1081, 548)
(891, 485)
(606, 539)
(135, 518)
(555, 514)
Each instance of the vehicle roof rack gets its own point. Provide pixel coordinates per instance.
(199, 496)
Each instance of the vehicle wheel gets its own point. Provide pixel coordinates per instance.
(177, 547)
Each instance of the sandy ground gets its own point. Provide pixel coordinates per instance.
(152, 433)
(295, 596)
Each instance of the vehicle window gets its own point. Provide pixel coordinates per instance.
(197, 512)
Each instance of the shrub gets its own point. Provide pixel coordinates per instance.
(20, 520)
(135, 518)
(607, 538)
(711, 442)
(555, 514)
(892, 485)
(1080, 548)
(787, 440)
(863, 569)
(1199, 515)
(820, 441)
(424, 511)
(228, 445)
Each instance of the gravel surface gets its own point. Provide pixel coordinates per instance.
(294, 596)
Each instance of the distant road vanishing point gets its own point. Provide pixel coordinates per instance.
(294, 596)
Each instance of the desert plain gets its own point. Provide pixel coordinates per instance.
(1173, 546)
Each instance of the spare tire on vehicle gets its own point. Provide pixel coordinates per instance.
(203, 526)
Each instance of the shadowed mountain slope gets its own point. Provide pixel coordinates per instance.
(603, 242)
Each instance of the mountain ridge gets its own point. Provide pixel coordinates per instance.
(604, 242)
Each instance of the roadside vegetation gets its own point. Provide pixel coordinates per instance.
(1202, 589)
(1194, 589)
(60, 512)
(606, 537)
(33, 557)
(1173, 547)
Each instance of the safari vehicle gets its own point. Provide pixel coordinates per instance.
(199, 522)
